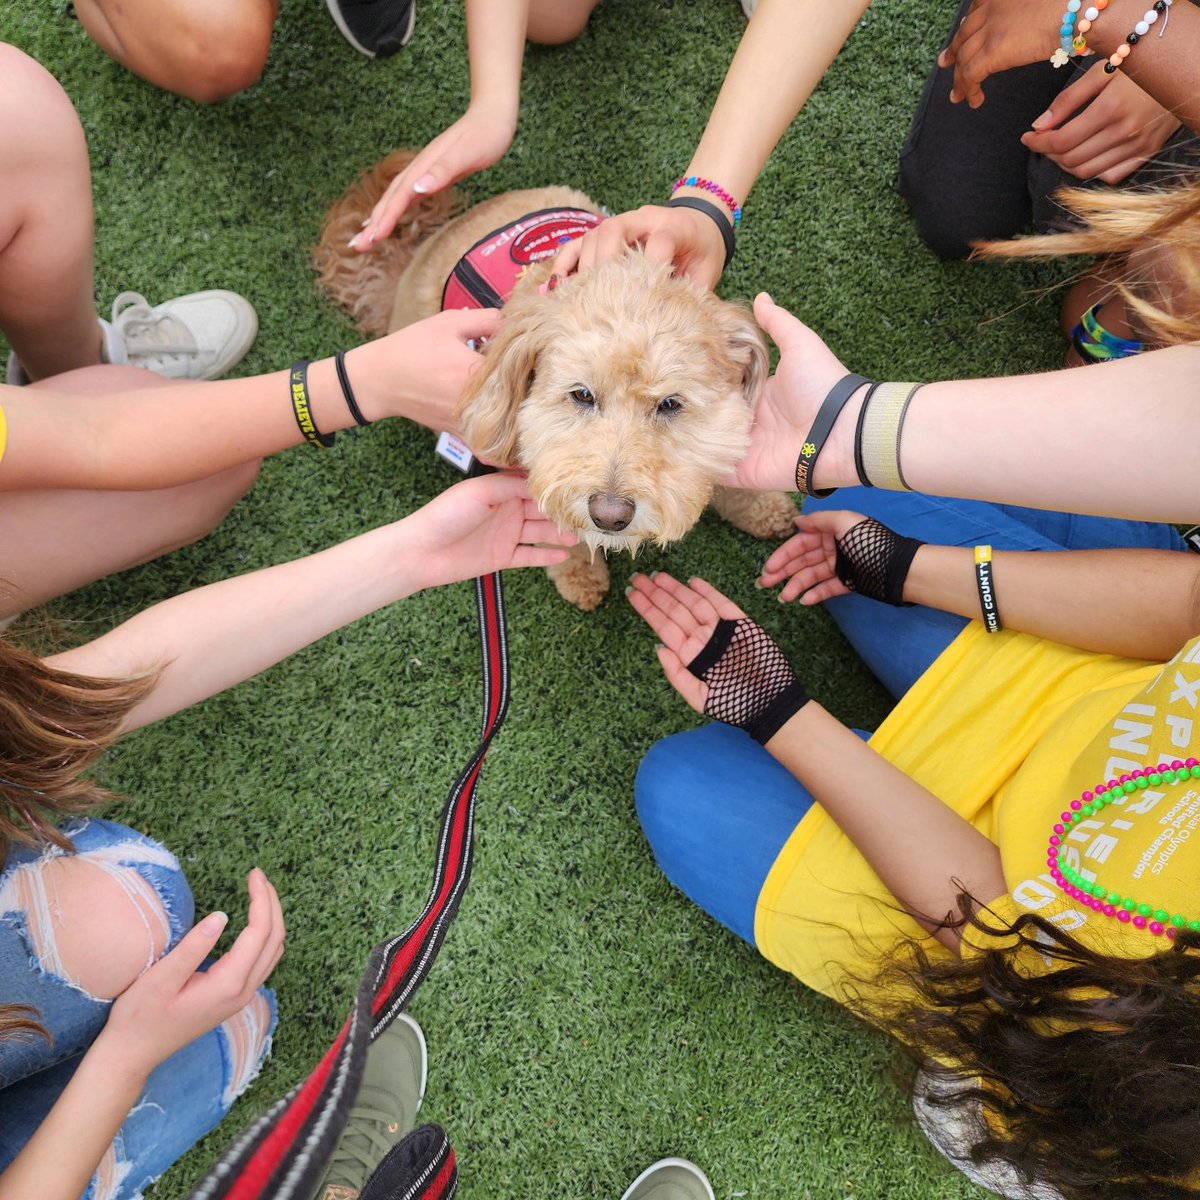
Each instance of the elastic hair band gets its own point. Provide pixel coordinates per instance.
(822, 426)
(714, 214)
(880, 429)
(339, 361)
(298, 388)
(987, 589)
(859, 468)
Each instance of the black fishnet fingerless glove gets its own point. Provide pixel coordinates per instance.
(750, 682)
(874, 561)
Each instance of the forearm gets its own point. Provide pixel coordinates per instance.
(783, 55)
(61, 1157)
(496, 45)
(1167, 67)
(924, 853)
(207, 640)
(1136, 603)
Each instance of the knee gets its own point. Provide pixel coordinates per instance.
(947, 229)
(222, 492)
(659, 790)
(222, 50)
(33, 106)
(554, 23)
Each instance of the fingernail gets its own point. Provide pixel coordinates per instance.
(354, 241)
(1025, 138)
(658, 646)
(653, 575)
(214, 922)
(629, 591)
(758, 583)
(424, 184)
(365, 222)
(1043, 120)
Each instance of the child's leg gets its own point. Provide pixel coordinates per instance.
(899, 644)
(554, 22)
(47, 309)
(99, 533)
(206, 51)
(717, 809)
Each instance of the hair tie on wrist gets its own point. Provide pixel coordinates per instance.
(987, 589)
(822, 426)
(301, 408)
(715, 215)
(859, 468)
(339, 361)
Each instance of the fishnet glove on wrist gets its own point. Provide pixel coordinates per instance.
(874, 561)
(750, 682)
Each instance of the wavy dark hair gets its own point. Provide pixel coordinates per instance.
(1086, 1073)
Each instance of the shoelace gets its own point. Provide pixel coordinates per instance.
(148, 332)
(370, 1134)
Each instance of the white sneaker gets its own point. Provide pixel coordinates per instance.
(748, 7)
(670, 1179)
(199, 336)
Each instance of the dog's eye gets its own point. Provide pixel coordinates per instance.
(583, 397)
(670, 406)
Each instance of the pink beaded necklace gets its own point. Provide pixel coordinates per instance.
(1095, 895)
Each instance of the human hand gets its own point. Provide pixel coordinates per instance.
(420, 371)
(175, 1002)
(789, 405)
(722, 663)
(477, 140)
(1119, 130)
(482, 525)
(687, 239)
(995, 36)
(808, 559)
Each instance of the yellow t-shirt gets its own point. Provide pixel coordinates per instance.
(1007, 729)
(3, 432)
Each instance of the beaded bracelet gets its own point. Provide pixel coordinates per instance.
(1071, 39)
(1095, 895)
(1121, 53)
(717, 190)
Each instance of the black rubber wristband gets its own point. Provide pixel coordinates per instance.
(822, 426)
(301, 409)
(339, 361)
(716, 215)
(859, 469)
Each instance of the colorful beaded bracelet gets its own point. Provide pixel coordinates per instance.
(717, 190)
(1121, 53)
(1071, 39)
(1095, 895)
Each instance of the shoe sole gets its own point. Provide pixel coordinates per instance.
(336, 14)
(420, 1035)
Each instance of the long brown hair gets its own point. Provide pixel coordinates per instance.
(1149, 239)
(1086, 1073)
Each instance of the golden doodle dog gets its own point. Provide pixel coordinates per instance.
(624, 392)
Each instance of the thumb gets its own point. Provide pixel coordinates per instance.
(472, 324)
(1071, 99)
(177, 967)
(785, 330)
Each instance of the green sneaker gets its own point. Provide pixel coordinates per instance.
(384, 1111)
(671, 1179)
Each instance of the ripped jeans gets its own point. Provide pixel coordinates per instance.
(133, 893)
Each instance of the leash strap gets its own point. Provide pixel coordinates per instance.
(284, 1153)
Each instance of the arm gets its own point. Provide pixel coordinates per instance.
(925, 854)
(784, 53)
(160, 437)
(1093, 599)
(209, 639)
(479, 138)
(1111, 442)
(167, 1007)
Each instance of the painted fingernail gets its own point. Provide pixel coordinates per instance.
(365, 222)
(214, 922)
(758, 583)
(354, 241)
(653, 575)
(658, 646)
(629, 591)
(1043, 120)
(423, 184)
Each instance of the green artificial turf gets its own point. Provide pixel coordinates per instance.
(583, 1019)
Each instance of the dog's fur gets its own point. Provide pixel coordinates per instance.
(628, 331)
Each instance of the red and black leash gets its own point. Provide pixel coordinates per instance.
(284, 1153)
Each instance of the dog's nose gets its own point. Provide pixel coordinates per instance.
(610, 513)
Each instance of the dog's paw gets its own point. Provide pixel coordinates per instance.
(581, 581)
(766, 515)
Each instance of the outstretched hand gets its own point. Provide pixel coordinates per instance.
(684, 617)
(175, 1002)
(808, 559)
(789, 405)
(683, 237)
(484, 525)
(477, 140)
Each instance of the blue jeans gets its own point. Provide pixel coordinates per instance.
(717, 808)
(186, 1096)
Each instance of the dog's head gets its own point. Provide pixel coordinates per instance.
(625, 393)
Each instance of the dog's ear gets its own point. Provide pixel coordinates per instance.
(487, 412)
(748, 348)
